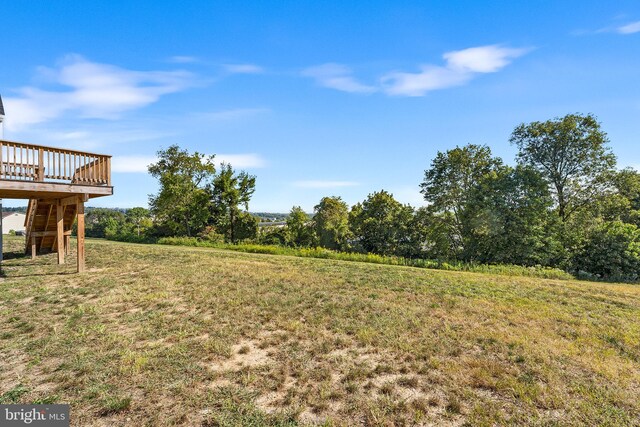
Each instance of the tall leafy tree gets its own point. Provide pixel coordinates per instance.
(229, 191)
(380, 224)
(182, 205)
(100, 221)
(331, 223)
(448, 183)
(508, 219)
(299, 231)
(572, 153)
(139, 218)
(430, 235)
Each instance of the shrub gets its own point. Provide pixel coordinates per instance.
(611, 252)
(509, 270)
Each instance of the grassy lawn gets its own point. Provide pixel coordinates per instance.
(167, 335)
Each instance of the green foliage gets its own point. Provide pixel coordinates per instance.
(572, 153)
(182, 205)
(380, 225)
(507, 219)
(139, 220)
(448, 183)
(299, 231)
(272, 235)
(331, 223)
(624, 204)
(101, 221)
(612, 252)
(430, 235)
(509, 270)
(210, 234)
(13, 396)
(228, 191)
(246, 227)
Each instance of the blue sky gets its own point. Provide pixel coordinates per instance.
(314, 98)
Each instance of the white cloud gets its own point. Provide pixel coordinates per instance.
(631, 28)
(243, 69)
(483, 59)
(460, 67)
(140, 163)
(324, 184)
(93, 90)
(337, 76)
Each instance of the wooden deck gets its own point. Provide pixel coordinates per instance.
(57, 182)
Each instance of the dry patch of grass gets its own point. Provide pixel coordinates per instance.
(161, 335)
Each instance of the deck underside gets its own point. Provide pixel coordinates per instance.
(13, 189)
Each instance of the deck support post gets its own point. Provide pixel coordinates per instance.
(80, 216)
(33, 247)
(60, 231)
(67, 243)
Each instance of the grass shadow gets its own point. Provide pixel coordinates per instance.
(13, 255)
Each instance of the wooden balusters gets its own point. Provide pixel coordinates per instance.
(31, 162)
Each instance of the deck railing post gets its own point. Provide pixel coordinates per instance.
(109, 171)
(40, 164)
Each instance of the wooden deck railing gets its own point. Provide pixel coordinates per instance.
(30, 162)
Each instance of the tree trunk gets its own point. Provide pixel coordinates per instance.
(232, 222)
(562, 204)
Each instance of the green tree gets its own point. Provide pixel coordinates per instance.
(430, 235)
(380, 224)
(331, 223)
(624, 204)
(246, 227)
(611, 251)
(448, 183)
(139, 218)
(99, 221)
(228, 192)
(272, 235)
(572, 154)
(508, 219)
(181, 207)
(299, 231)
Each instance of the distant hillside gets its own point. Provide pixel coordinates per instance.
(21, 209)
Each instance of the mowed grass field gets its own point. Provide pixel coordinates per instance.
(161, 335)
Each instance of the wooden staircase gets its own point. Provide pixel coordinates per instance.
(41, 225)
(57, 182)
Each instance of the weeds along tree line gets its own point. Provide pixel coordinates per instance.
(563, 204)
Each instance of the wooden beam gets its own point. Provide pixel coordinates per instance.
(33, 247)
(80, 213)
(49, 233)
(71, 200)
(14, 189)
(60, 231)
(46, 224)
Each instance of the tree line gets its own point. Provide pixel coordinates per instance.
(563, 203)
